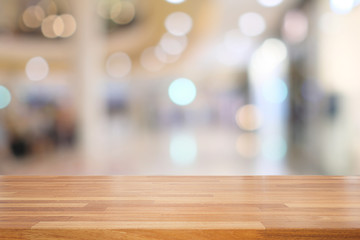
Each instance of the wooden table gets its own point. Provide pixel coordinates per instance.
(179, 208)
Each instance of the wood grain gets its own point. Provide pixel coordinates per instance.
(134, 208)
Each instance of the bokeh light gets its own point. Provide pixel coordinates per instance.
(5, 97)
(183, 149)
(175, 1)
(165, 57)
(270, 3)
(182, 91)
(295, 26)
(267, 58)
(122, 12)
(275, 49)
(47, 26)
(37, 68)
(235, 49)
(252, 24)
(69, 25)
(247, 145)
(342, 6)
(173, 45)
(33, 16)
(178, 23)
(118, 65)
(275, 91)
(149, 60)
(58, 26)
(248, 118)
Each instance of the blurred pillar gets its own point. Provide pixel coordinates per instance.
(88, 61)
(338, 72)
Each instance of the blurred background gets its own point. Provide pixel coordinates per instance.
(179, 87)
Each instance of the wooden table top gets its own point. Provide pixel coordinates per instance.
(124, 207)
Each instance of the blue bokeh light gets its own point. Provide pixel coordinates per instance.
(5, 97)
(182, 91)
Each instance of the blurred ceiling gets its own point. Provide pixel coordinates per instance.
(211, 19)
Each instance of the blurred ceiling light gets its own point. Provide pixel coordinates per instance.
(122, 12)
(37, 68)
(248, 118)
(47, 26)
(295, 26)
(5, 97)
(183, 149)
(252, 24)
(33, 16)
(175, 1)
(274, 148)
(247, 145)
(182, 91)
(178, 23)
(165, 57)
(173, 45)
(149, 60)
(275, 91)
(69, 25)
(118, 64)
(270, 3)
(342, 6)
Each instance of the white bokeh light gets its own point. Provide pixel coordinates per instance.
(235, 49)
(175, 1)
(173, 45)
(37, 68)
(118, 65)
(178, 23)
(270, 3)
(182, 91)
(342, 6)
(252, 24)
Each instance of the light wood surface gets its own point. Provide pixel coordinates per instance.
(135, 208)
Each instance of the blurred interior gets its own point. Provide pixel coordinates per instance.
(179, 87)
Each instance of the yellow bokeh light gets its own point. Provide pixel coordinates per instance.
(47, 26)
(122, 12)
(69, 25)
(58, 26)
(248, 118)
(33, 16)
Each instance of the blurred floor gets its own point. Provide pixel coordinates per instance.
(179, 152)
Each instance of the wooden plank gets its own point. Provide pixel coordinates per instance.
(123, 207)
